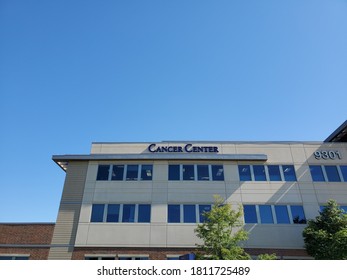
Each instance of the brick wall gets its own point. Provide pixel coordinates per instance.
(26, 239)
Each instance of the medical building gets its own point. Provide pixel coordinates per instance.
(144, 200)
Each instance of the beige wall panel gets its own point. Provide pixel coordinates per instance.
(160, 172)
(231, 172)
(159, 196)
(86, 211)
(275, 236)
(158, 236)
(311, 210)
(181, 235)
(118, 235)
(195, 198)
(228, 149)
(298, 153)
(303, 173)
(82, 234)
(117, 196)
(159, 213)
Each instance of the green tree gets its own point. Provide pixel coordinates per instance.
(326, 236)
(221, 233)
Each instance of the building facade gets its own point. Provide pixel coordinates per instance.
(144, 200)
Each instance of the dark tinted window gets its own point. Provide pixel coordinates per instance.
(132, 172)
(317, 173)
(128, 213)
(103, 171)
(259, 173)
(250, 214)
(344, 172)
(113, 213)
(174, 213)
(144, 213)
(203, 174)
(282, 214)
(298, 214)
(245, 173)
(289, 172)
(146, 172)
(189, 214)
(202, 210)
(274, 173)
(174, 172)
(97, 213)
(117, 172)
(217, 173)
(332, 173)
(188, 172)
(265, 214)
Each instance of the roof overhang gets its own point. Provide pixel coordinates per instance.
(339, 135)
(63, 160)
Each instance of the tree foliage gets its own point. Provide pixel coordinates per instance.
(221, 233)
(326, 236)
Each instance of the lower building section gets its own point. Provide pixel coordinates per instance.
(94, 253)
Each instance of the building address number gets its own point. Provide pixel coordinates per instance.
(327, 155)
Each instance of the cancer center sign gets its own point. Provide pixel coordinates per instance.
(188, 148)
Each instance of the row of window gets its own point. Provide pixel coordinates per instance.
(208, 172)
(121, 213)
(193, 172)
(11, 257)
(328, 173)
(193, 213)
(111, 257)
(121, 172)
(267, 173)
(274, 214)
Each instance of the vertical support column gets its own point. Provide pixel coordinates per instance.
(65, 230)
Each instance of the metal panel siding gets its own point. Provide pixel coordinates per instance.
(69, 211)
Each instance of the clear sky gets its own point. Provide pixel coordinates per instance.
(74, 72)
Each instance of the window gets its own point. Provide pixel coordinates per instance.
(266, 214)
(203, 209)
(132, 172)
(174, 213)
(245, 173)
(128, 213)
(103, 171)
(343, 169)
(13, 257)
(96, 257)
(133, 258)
(144, 215)
(189, 214)
(282, 214)
(250, 214)
(317, 173)
(97, 213)
(298, 214)
(274, 173)
(289, 172)
(196, 172)
(217, 173)
(146, 172)
(203, 173)
(270, 214)
(113, 213)
(332, 173)
(117, 173)
(259, 173)
(174, 172)
(188, 172)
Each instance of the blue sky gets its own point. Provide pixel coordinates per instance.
(74, 72)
